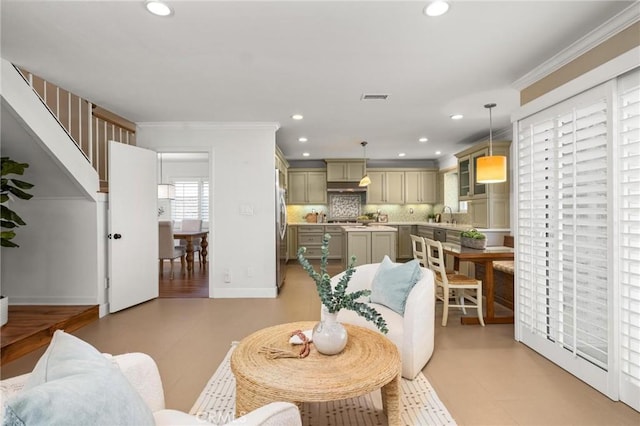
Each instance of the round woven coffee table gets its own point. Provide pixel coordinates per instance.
(369, 362)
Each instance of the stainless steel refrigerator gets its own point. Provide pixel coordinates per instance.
(281, 229)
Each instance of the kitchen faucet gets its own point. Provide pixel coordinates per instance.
(444, 209)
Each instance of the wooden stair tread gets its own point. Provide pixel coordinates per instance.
(32, 326)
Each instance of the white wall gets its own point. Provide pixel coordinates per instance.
(241, 170)
(57, 261)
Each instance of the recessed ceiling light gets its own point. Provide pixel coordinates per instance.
(436, 8)
(456, 116)
(158, 8)
(302, 139)
(438, 152)
(297, 116)
(305, 154)
(402, 154)
(423, 140)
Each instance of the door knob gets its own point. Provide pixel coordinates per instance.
(115, 236)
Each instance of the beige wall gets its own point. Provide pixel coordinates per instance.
(604, 52)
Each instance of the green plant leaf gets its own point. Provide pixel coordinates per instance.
(7, 224)
(12, 167)
(4, 198)
(20, 194)
(7, 243)
(7, 214)
(22, 184)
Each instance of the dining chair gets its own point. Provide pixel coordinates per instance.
(454, 285)
(192, 225)
(419, 249)
(166, 247)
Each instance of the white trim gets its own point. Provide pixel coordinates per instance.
(613, 26)
(605, 72)
(212, 125)
(244, 293)
(53, 300)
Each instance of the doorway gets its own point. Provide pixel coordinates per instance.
(188, 172)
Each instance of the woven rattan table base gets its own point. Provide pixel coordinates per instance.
(369, 362)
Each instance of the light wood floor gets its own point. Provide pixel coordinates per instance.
(481, 374)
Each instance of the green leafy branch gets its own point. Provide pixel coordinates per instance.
(337, 298)
(9, 188)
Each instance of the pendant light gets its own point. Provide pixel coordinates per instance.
(492, 168)
(365, 181)
(166, 191)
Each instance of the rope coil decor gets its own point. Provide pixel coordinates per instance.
(275, 353)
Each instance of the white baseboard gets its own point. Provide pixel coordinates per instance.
(244, 293)
(15, 300)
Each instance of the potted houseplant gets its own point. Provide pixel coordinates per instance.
(11, 188)
(431, 217)
(473, 239)
(329, 336)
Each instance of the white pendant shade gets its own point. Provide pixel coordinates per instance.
(365, 181)
(491, 169)
(166, 191)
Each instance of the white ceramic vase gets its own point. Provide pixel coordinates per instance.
(329, 336)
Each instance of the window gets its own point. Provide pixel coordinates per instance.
(192, 199)
(578, 235)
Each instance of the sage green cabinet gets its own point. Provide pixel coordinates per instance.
(404, 249)
(292, 242)
(387, 187)
(310, 237)
(307, 187)
(345, 171)
(420, 187)
(369, 247)
(336, 242)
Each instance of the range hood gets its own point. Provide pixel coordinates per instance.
(345, 187)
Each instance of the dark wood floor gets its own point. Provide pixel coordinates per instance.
(184, 285)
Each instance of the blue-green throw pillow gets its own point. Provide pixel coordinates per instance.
(393, 282)
(74, 384)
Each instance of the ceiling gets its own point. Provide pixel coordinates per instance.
(262, 61)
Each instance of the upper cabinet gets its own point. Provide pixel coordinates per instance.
(307, 186)
(282, 165)
(345, 170)
(420, 187)
(487, 204)
(387, 187)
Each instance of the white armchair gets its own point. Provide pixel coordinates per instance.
(412, 333)
(141, 371)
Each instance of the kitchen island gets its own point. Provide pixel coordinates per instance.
(369, 244)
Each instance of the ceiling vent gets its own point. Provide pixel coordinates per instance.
(373, 97)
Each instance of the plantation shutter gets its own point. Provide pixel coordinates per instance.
(187, 200)
(204, 201)
(629, 244)
(562, 252)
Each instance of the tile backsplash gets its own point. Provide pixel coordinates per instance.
(344, 205)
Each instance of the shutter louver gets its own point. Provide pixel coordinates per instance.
(629, 229)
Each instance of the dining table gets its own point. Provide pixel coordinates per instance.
(189, 236)
(483, 257)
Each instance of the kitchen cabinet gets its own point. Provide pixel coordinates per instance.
(345, 171)
(404, 249)
(292, 242)
(307, 187)
(420, 187)
(336, 242)
(310, 236)
(369, 246)
(387, 187)
(487, 204)
(282, 165)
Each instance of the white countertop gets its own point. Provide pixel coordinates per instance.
(369, 228)
(448, 226)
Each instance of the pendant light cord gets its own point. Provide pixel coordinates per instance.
(490, 106)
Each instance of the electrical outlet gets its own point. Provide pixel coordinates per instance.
(227, 275)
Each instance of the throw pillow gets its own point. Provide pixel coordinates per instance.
(393, 282)
(74, 384)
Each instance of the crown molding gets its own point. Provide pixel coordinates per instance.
(613, 26)
(211, 125)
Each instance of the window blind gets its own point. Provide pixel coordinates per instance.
(191, 200)
(629, 244)
(562, 253)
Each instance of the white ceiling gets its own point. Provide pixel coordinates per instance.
(262, 61)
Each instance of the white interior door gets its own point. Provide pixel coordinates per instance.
(133, 226)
